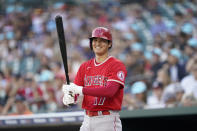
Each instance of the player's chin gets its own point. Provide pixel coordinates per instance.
(96, 51)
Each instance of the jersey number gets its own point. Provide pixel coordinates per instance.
(99, 101)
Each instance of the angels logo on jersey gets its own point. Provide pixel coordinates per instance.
(121, 75)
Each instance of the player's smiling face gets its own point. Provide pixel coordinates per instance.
(100, 46)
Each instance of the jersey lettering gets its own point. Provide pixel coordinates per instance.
(95, 80)
(88, 80)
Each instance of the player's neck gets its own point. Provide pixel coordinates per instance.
(100, 59)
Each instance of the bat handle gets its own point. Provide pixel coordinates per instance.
(67, 79)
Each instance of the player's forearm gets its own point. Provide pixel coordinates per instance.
(108, 91)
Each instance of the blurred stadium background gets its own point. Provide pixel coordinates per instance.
(156, 39)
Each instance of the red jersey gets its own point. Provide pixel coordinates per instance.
(93, 75)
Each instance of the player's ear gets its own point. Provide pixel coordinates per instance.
(109, 44)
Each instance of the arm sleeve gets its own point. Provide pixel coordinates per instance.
(108, 91)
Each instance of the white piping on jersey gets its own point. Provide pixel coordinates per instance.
(101, 62)
(116, 81)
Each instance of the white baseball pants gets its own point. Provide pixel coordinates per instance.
(110, 122)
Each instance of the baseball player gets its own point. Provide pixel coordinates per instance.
(100, 81)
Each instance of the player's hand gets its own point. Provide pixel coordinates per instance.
(73, 89)
(68, 97)
(71, 93)
(76, 89)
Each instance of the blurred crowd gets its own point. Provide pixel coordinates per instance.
(157, 41)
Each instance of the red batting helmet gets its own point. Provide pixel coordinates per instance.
(100, 32)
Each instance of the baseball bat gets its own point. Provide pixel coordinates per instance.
(62, 44)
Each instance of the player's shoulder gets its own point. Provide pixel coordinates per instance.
(88, 62)
(115, 61)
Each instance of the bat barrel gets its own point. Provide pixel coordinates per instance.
(62, 44)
